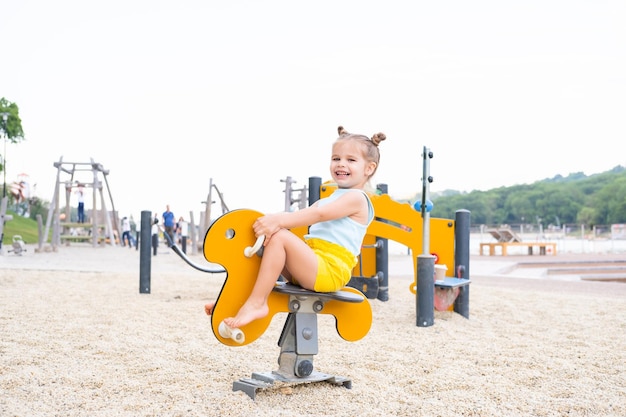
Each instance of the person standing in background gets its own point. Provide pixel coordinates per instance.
(126, 232)
(155, 235)
(168, 223)
(81, 203)
(176, 233)
(182, 232)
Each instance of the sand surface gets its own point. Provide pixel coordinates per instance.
(78, 339)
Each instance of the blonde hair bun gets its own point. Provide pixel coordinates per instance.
(376, 139)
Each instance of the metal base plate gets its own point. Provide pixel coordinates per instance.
(262, 380)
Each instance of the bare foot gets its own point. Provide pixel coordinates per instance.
(208, 308)
(246, 314)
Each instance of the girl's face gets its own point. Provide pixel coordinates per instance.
(348, 166)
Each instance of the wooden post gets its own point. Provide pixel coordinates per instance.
(192, 234)
(94, 213)
(207, 209)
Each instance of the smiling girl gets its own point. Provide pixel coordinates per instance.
(324, 260)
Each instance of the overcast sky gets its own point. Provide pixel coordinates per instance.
(167, 95)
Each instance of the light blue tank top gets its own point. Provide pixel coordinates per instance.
(344, 231)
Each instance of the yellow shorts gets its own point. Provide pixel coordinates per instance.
(334, 265)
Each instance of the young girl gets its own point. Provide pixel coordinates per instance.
(324, 261)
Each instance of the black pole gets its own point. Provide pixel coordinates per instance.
(3, 216)
(314, 189)
(382, 259)
(462, 259)
(425, 297)
(145, 255)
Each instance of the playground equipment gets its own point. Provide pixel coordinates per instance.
(228, 242)
(290, 199)
(102, 227)
(206, 220)
(18, 245)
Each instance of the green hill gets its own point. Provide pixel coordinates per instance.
(27, 228)
(598, 199)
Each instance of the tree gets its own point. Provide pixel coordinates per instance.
(12, 126)
(599, 199)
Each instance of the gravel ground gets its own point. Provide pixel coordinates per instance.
(78, 339)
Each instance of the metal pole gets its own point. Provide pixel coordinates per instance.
(314, 189)
(426, 180)
(5, 117)
(425, 297)
(3, 217)
(4, 164)
(145, 255)
(382, 260)
(462, 259)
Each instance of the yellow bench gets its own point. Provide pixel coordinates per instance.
(544, 247)
(87, 238)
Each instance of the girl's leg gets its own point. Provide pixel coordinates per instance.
(284, 250)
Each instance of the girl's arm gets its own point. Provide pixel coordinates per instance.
(352, 205)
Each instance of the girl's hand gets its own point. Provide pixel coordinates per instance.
(267, 225)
